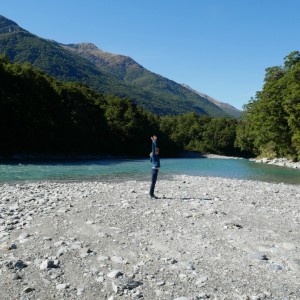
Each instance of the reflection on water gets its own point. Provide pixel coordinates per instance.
(140, 169)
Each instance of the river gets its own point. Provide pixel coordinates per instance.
(118, 169)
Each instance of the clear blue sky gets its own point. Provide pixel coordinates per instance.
(218, 47)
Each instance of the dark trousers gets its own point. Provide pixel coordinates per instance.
(153, 180)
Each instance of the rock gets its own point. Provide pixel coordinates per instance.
(103, 257)
(201, 280)
(294, 265)
(289, 246)
(75, 246)
(114, 274)
(122, 284)
(259, 256)
(160, 283)
(8, 247)
(173, 261)
(61, 286)
(28, 289)
(61, 251)
(275, 267)
(85, 252)
(100, 279)
(80, 291)
(23, 236)
(47, 264)
(15, 276)
(118, 260)
(19, 265)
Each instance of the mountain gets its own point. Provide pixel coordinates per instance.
(7, 26)
(128, 70)
(106, 73)
(23, 47)
(229, 109)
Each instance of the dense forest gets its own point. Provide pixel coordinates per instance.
(41, 115)
(270, 125)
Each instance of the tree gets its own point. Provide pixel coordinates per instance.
(270, 122)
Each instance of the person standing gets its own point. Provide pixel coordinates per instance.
(154, 158)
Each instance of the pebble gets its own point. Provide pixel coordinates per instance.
(80, 291)
(23, 236)
(114, 274)
(103, 257)
(19, 265)
(118, 260)
(46, 264)
(84, 252)
(259, 256)
(28, 290)
(294, 265)
(201, 280)
(61, 286)
(160, 283)
(15, 276)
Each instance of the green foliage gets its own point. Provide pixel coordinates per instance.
(219, 136)
(39, 114)
(270, 125)
(204, 134)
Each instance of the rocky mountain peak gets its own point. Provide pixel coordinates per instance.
(231, 110)
(85, 46)
(7, 26)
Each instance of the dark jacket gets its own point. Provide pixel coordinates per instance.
(154, 158)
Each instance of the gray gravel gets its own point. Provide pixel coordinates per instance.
(205, 238)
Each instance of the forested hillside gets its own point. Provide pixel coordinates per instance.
(271, 121)
(41, 115)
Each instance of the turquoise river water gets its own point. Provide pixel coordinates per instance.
(119, 169)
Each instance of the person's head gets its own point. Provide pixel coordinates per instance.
(154, 137)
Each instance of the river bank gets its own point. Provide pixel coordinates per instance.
(281, 162)
(205, 238)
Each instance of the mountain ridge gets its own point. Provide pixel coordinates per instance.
(230, 109)
(108, 62)
(107, 73)
(8, 26)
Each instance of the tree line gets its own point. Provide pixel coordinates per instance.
(41, 115)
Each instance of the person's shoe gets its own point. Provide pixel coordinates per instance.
(152, 196)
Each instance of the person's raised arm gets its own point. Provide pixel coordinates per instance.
(154, 142)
